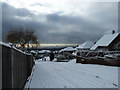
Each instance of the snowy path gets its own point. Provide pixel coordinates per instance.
(72, 75)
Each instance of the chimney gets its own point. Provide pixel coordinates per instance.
(113, 31)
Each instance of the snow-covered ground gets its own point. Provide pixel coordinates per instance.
(48, 74)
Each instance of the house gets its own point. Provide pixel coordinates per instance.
(108, 42)
(85, 46)
(68, 49)
(44, 51)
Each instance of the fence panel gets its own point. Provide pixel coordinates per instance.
(0, 68)
(16, 67)
(6, 67)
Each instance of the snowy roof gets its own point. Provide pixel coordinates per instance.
(9, 45)
(85, 45)
(68, 49)
(5, 44)
(32, 51)
(75, 48)
(43, 51)
(105, 40)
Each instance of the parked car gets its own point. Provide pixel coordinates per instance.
(62, 58)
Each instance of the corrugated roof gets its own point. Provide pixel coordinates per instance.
(105, 40)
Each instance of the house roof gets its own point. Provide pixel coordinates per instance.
(68, 49)
(86, 45)
(105, 40)
(44, 51)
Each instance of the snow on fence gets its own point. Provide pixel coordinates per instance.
(111, 58)
(16, 67)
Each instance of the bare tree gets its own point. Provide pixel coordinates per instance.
(22, 37)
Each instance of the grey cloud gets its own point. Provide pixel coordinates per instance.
(71, 37)
(55, 28)
(10, 10)
(37, 4)
(105, 13)
(79, 23)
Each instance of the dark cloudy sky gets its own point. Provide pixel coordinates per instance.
(61, 21)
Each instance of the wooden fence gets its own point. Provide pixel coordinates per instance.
(16, 67)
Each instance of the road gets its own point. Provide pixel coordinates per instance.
(71, 75)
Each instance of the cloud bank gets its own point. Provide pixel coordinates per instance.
(66, 23)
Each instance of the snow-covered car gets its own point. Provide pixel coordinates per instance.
(62, 58)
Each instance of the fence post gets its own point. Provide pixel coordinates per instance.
(16, 67)
(1, 46)
(0, 67)
(12, 67)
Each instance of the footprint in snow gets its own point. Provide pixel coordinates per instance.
(97, 76)
(115, 84)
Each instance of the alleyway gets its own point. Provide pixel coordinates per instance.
(71, 75)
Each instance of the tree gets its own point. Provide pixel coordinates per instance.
(22, 37)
